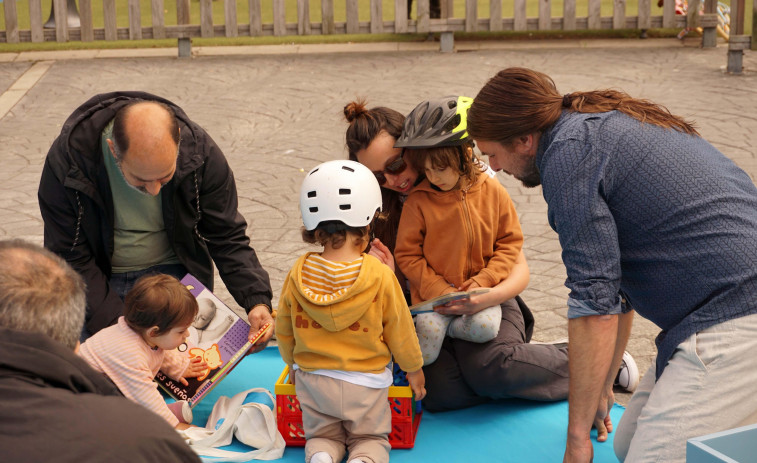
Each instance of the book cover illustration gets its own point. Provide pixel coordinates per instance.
(444, 299)
(218, 335)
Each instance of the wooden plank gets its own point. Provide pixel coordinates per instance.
(569, 15)
(182, 12)
(256, 18)
(86, 21)
(448, 8)
(206, 18)
(619, 14)
(424, 16)
(279, 18)
(545, 15)
(35, 20)
(520, 21)
(668, 14)
(400, 16)
(495, 15)
(303, 17)
(645, 14)
(595, 14)
(11, 21)
(230, 18)
(327, 17)
(135, 20)
(109, 19)
(377, 17)
(353, 27)
(471, 16)
(61, 20)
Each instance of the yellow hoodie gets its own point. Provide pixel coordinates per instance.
(358, 331)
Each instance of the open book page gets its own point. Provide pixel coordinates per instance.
(216, 335)
(428, 306)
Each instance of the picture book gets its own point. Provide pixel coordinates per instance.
(218, 335)
(444, 299)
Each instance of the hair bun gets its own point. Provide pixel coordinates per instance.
(354, 109)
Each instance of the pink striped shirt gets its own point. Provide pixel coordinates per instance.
(121, 354)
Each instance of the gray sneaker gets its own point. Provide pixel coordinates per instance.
(628, 375)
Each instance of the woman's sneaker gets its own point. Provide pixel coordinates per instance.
(628, 375)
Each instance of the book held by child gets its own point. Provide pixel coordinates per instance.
(218, 335)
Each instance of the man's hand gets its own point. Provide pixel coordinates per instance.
(259, 316)
(602, 420)
(417, 383)
(382, 253)
(197, 367)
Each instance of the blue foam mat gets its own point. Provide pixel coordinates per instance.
(505, 431)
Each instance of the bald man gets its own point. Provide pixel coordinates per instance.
(132, 187)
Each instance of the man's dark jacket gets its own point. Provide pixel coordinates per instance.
(54, 407)
(199, 210)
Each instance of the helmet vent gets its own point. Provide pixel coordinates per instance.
(313, 209)
(312, 194)
(348, 169)
(345, 207)
(345, 191)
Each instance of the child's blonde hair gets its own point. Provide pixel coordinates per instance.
(159, 300)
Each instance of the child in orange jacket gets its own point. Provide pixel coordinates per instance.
(459, 229)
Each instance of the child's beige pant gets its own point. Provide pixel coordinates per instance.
(338, 415)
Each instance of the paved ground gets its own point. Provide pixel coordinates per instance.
(277, 112)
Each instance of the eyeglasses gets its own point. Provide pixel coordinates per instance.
(393, 168)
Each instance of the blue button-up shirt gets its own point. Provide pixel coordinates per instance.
(654, 214)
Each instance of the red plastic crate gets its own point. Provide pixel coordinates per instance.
(405, 420)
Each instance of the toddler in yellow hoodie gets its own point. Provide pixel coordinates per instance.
(341, 318)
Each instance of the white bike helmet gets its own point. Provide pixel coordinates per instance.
(344, 191)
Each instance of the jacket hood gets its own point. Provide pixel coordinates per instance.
(343, 311)
(78, 145)
(36, 358)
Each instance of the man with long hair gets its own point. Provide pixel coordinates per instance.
(651, 218)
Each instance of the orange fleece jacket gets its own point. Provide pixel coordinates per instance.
(448, 237)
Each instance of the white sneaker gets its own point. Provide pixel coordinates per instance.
(321, 457)
(628, 375)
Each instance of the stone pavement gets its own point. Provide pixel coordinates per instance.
(276, 112)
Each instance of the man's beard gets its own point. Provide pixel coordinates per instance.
(531, 178)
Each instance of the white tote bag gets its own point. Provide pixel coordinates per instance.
(245, 417)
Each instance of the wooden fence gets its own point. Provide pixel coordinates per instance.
(251, 25)
(60, 29)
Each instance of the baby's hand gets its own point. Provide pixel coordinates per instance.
(417, 383)
(197, 367)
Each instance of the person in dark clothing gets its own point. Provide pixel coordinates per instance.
(132, 186)
(53, 406)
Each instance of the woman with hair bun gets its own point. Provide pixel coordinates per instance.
(465, 373)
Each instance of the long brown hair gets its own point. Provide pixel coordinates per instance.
(365, 125)
(520, 101)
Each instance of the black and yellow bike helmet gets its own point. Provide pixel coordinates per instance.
(435, 123)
